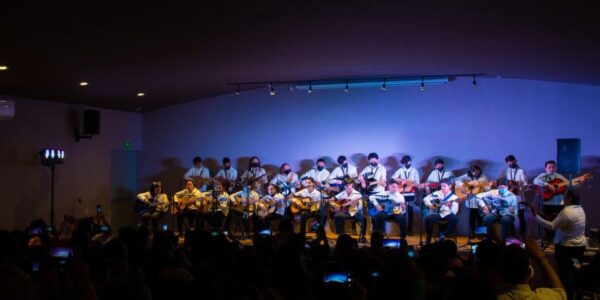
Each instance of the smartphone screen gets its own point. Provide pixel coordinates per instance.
(165, 227)
(389, 243)
(339, 277)
(265, 232)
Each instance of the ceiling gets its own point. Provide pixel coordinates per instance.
(174, 51)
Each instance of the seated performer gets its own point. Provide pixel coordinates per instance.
(286, 180)
(389, 205)
(434, 180)
(188, 203)
(227, 175)
(500, 204)
(275, 203)
(467, 186)
(444, 207)
(516, 180)
(255, 174)
(155, 204)
(243, 204)
(199, 175)
(348, 205)
(319, 175)
(408, 179)
(307, 203)
(216, 207)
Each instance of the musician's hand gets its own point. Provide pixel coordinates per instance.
(379, 208)
(485, 210)
(511, 209)
(431, 206)
(551, 187)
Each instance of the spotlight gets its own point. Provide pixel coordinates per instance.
(422, 87)
(384, 85)
(3, 68)
(141, 94)
(310, 89)
(83, 83)
(271, 89)
(52, 156)
(237, 90)
(347, 89)
(474, 83)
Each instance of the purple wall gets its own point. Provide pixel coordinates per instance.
(455, 121)
(25, 184)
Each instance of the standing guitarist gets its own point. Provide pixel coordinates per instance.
(255, 173)
(469, 184)
(516, 179)
(227, 175)
(286, 180)
(155, 204)
(348, 205)
(319, 175)
(198, 174)
(445, 207)
(408, 179)
(188, 203)
(436, 176)
(340, 173)
(389, 205)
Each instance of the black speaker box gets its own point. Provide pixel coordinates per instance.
(568, 156)
(91, 122)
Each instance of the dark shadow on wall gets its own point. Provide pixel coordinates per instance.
(171, 176)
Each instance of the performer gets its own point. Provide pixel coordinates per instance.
(516, 179)
(389, 205)
(255, 173)
(156, 204)
(436, 176)
(243, 206)
(286, 180)
(502, 206)
(444, 205)
(311, 206)
(275, 203)
(554, 204)
(319, 174)
(198, 174)
(342, 173)
(188, 202)
(216, 207)
(407, 178)
(469, 184)
(227, 175)
(372, 178)
(348, 205)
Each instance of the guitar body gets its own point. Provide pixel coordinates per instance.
(299, 205)
(470, 188)
(142, 207)
(407, 187)
(199, 181)
(560, 188)
(388, 206)
(185, 203)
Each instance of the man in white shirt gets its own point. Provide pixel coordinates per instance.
(320, 174)
(389, 205)
(516, 180)
(227, 175)
(198, 173)
(349, 207)
(193, 197)
(157, 202)
(341, 174)
(314, 197)
(373, 177)
(474, 181)
(438, 174)
(408, 179)
(243, 206)
(502, 205)
(443, 204)
(286, 180)
(255, 174)
(570, 235)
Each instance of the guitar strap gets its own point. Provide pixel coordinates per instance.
(447, 197)
(441, 175)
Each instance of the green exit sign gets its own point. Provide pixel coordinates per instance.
(127, 145)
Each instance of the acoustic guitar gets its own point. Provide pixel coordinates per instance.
(300, 204)
(471, 187)
(560, 186)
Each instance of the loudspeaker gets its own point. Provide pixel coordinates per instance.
(91, 122)
(568, 156)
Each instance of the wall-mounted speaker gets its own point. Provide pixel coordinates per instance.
(568, 156)
(91, 122)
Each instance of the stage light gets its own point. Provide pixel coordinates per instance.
(310, 89)
(83, 83)
(422, 86)
(384, 85)
(237, 90)
(141, 94)
(370, 83)
(474, 83)
(3, 68)
(347, 88)
(271, 89)
(52, 156)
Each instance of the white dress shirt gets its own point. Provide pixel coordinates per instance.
(290, 180)
(353, 196)
(201, 172)
(514, 174)
(569, 225)
(161, 200)
(444, 210)
(194, 193)
(279, 201)
(230, 174)
(407, 174)
(378, 173)
(340, 172)
(316, 175)
(255, 173)
(437, 176)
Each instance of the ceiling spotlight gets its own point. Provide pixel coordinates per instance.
(384, 85)
(474, 83)
(237, 90)
(347, 89)
(271, 89)
(422, 87)
(140, 94)
(83, 83)
(310, 89)
(3, 68)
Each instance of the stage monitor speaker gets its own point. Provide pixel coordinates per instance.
(91, 122)
(568, 156)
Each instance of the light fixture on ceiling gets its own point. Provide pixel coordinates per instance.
(3, 68)
(237, 90)
(84, 83)
(474, 83)
(422, 86)
(141, 94)
(310, 88)
(271, 89)
(347, 88)
(384, 85)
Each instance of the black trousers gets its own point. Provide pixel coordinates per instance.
(305, 215)
(475, 219)
(564, 261)
(410, 208)
(188, 214)
(152, 217)
(214, 218)
(551, 211)
(245, 217)
(379, 222)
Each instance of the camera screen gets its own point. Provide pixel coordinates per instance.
(340, 277)
(62, 252)
(391, 243)
(265, 232)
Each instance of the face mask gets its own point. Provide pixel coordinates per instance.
(286, 172)
(440, 168)
(374, 164)
(407, 166)
(512, 165)
(320, 168)
(227, 168)
(255, 165)
(502, 191)
(345, 165)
